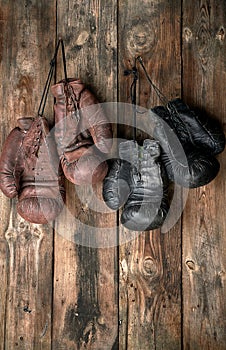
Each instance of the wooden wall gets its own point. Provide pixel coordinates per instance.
(159, 290)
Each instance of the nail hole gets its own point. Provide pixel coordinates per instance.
(27, 310)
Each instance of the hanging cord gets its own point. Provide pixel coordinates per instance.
(170, 107)
(64, 60)
(47, 84)
(160, 95)
(45, 94)
(68, 87)
(133, 96)
(133, 91)
(50, 75)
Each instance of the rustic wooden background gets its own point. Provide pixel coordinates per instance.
(159, 290)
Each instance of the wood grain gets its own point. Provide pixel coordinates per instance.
(26, 250)
(204, 254)
(150, 263)
(4, 203)
(28, 317)
(85, 276)
(70, 290)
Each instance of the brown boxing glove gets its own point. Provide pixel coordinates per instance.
(29, 169)
(82, 132)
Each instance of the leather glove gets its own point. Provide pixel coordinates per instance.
(204, 133)
(117, 184)
(82, 132)
(147, 205)
(138, 181)
(29, 169)
(186, 164)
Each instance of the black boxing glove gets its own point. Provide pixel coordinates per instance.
(147, 204)
(204, 133)
(185, 164)
(117, 183)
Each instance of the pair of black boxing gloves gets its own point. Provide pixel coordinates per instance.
(182, 150)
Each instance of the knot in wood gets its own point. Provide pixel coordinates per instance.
(221, 34)
(140, 37)
(101, 320)
(103, 279)
(82, 38)
(11, 234)
(149, 266)
(190, 264)
(187, 34)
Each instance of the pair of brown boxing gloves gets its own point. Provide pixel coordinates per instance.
(34, 162)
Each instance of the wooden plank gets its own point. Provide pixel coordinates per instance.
(3, 271)
(4, 203)
(150, 264)
(28, 317)
(204, 224)
(26, 249)
(85, 276)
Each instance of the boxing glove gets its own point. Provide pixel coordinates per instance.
(117, 184)
(82, 132)
(204, 133)
(147, 205)
(29, 169)
(185, 164)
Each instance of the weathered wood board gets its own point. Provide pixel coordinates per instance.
(204, 224)
(26, 249)
(150, 266)
(85, 311)
(67, 285)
